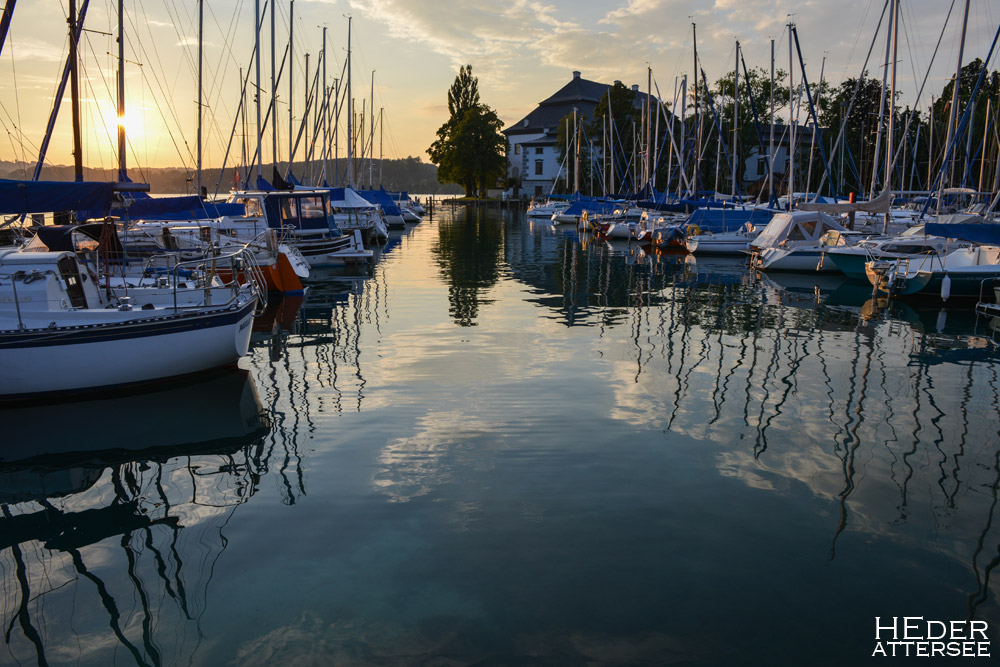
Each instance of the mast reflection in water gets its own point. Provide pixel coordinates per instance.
(113, 519)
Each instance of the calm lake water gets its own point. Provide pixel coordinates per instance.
(512, 446)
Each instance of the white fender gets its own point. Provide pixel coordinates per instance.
(945, 287)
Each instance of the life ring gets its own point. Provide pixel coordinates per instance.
(693, 230)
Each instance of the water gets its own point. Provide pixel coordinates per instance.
(508, 446)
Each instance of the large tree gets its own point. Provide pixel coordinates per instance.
(470, 149)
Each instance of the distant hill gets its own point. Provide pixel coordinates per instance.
(408, 174)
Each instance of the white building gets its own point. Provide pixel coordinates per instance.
(531, 142)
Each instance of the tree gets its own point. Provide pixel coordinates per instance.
(470, 149)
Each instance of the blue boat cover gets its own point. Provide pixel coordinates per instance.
(593, 207)
(977, 232)
(51, 196)
(717, 220)
(382, 198)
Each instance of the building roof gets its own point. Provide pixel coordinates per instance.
(580, 93)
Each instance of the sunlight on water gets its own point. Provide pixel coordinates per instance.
(512, 445)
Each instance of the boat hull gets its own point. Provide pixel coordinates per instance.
(70, 359)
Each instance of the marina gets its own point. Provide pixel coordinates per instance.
(510, 444)
(708, 376)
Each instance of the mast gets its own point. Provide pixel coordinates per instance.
(274, 98)
(320, 107)
(892, 109)
(649, 124)
(930, 144)
(291, 72)
(350, 113)
(307, 168)
(576, 160)
(982, 159)
(256, 20)
(680, 158)
(201, 43)
(881, 103)
(736, 113)
(371, 134)
(121, 92)
(74, 87)
(697, 115)
(791, 124)
(770, 144)
(953, 116)
(381, 131)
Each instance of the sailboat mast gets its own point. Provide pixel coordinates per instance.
(736, 113)
(121, 91)
(791, 124)
(256, 20)
(954, 99)
(350, 113)
(770, 144)
(274, 96)
(649, 125)
(371, 135)
(381, 131)
(881, 104)
(291, 72)
(697, 115)
(576, 160)
(892, 110)
(74, 87)
(321, 107)
(201, 36)
(682, 159)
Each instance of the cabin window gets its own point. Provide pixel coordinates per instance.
(312, 207)
(288, 213)
(809, 228)
(252, 207)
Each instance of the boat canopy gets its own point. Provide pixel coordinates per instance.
(382, 198)
(728, 219)
(796, 226)
(593, 207)
(51, 196)
(189, 207)
(967, 227)
(57, 238)
(348, 198)
(879, 204)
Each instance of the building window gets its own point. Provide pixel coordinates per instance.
(538, 190)
(538, 150)
(517, 149)
(538, 167)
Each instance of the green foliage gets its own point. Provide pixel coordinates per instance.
(470, 149)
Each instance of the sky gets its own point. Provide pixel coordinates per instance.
(522, 51)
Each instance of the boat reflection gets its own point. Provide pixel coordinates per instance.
(111, 518)
(794, 379)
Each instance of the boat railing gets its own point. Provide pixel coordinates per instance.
(226, 267)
